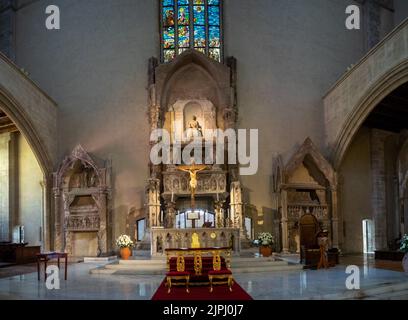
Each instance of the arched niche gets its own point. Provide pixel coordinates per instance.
(81, 196)
(193, 77)
(308, 186)
(181, 113)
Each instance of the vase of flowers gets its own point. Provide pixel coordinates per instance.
(265, 241)
(125, 244)
(404, 248)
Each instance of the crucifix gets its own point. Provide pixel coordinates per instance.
(192, 170)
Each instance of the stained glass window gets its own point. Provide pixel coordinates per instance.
(189, 24)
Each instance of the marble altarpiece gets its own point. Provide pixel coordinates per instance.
(187, 96)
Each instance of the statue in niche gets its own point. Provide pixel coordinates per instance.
(92, 179)
(76, 181)
(194, 129)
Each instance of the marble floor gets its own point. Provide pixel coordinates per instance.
(306, 284)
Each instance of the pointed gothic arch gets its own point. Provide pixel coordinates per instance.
(82, 187)
(34, 113)
(309, 186)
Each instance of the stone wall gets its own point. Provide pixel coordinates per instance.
(4, 187)
(7, 31)
(30, 194)
(355, 193)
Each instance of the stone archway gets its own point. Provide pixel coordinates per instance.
(35, 116)
(358, 92)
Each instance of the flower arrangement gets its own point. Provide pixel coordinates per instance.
(404, 244)
(265, 239)
(124, 241)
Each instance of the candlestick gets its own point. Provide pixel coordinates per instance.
(172, 196)
(218, 197)
(161, 217)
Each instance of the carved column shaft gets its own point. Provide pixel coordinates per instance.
(284, 222)
(335, 220)
(102, 234)
(59, 234)
(378, 196)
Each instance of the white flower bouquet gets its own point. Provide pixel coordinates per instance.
(124, 241)
(265, 239)
(404, 244)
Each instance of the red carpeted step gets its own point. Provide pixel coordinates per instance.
(221, 292)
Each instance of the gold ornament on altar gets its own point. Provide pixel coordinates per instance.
(213, 235)
(195, 242)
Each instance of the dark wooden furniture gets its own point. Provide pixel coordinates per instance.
(45, 257)
(309, 248)
(18, 253)
(389, 255)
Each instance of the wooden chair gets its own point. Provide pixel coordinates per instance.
(180, 275)
(219, 273)
(309, 249)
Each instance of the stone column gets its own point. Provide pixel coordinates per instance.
(237, 214)
(378, 196)
(335, 220)
(58, 244)
(284, 222)
(102, 233)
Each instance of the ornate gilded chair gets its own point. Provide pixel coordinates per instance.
(222, 275)
(180, 275)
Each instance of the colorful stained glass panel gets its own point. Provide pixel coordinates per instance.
(199, 15)
(187, 23)
(214, 36)
(183, 16)
(168, 16)
(213, 16)
(168, 38)
(184, 36)
(169, 55)
(168, 3)
(199, 36)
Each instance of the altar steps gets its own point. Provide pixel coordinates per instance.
(158, 266)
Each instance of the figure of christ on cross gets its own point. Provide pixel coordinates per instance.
(192, 170)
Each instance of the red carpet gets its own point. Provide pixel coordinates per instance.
(221, 292)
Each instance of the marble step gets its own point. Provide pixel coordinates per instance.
(158, 267)
(380, 291)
